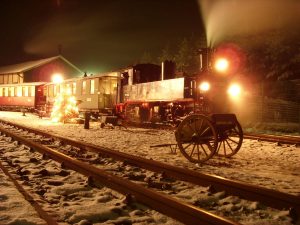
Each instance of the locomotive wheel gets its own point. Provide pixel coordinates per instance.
(196, 138)
(230, 141)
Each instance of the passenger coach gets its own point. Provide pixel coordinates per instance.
(95, 93)
(28, 96)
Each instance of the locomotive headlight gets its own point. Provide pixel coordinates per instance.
(234, 90)
(204, 86)
(221, 65)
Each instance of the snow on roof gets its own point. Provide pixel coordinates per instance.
(25, 66)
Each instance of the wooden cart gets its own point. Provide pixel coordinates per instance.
(200, 137)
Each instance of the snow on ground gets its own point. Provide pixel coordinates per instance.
(259, 163)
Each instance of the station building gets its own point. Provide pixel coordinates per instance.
(38, 71)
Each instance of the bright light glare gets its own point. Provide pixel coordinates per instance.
(204, 86)
(234, 90)
(57, 78)
(222, 65)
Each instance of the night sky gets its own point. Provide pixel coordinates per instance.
(95, 35)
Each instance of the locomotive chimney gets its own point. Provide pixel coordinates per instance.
(204, 57)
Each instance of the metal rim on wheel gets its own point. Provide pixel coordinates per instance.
(196, 138)
(230, 141)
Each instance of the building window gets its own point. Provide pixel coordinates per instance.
(92, 87)
(1, 79)
(15, 79)
(83, 90)
(10, 78)
(5, 79)
(1, 92)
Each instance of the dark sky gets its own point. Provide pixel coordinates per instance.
(95, 35)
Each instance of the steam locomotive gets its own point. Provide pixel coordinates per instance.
(142, 93)
(164, 98)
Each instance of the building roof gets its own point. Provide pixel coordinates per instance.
(23, 67)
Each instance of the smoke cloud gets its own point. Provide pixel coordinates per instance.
(226, 18)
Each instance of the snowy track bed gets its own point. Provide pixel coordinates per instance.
(66, 195)
(259, 163)
(138, 141)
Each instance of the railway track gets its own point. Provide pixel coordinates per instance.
(274, 138)
(183, 212)
(268, 197)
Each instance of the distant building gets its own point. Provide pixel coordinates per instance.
(38, 71)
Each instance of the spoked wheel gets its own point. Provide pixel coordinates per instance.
(197, 138)
(230, 140)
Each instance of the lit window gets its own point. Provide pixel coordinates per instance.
(25, 91)
(92, 86)
(19, 91)
(83, 91)
(74, 88)
(6, 92)
(32, 91)
(1, 92)
(12, 91)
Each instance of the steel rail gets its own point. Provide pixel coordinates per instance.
(183, 212)
(274, 138)
(269, 197)
(42, 213)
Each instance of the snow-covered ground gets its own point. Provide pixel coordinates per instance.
(259, 163)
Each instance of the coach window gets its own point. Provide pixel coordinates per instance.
(5, 91)
(93, 86)
(54, 90)
(57, 88)
(74, 88)
(19, 91)
(67, 88)
(12, 91)
(25, 91)
(83, 90)
(105, 86)
(31, 91)
(50, 90)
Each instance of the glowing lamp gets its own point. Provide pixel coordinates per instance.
(222, 65)
(57, 78)
(204, 86)
(234, 90)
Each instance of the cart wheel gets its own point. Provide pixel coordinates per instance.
(196, 138)
(230, 141)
